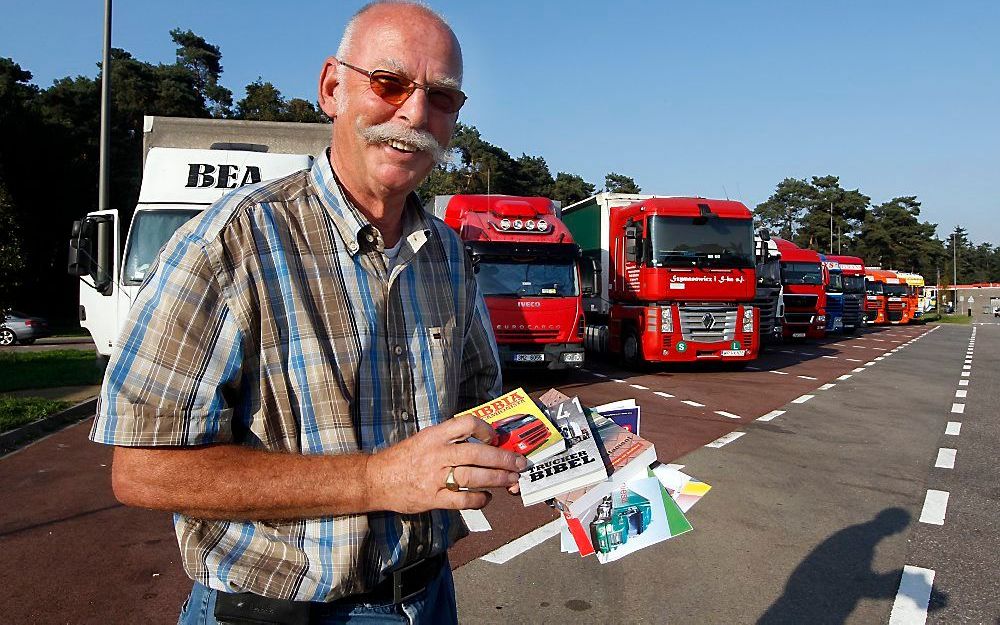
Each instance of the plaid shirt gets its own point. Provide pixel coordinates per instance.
(271, 321)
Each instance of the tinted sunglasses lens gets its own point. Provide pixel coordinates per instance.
(390, 87)
(446, 100)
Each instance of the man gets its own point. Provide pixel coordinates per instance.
(288, 375)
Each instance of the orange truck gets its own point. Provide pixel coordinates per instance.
(876, 310)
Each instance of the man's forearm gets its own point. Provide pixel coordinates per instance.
(233, 482)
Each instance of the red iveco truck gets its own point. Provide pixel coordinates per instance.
(804, 279)
(667, 279)
(525, 263)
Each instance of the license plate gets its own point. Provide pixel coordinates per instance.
(734, 352)
(529, 357)
(799, 335)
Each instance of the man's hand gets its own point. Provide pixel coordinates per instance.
(409, 477)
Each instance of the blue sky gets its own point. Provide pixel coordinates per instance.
(703, 98)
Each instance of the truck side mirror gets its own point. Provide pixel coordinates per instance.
(79, 259)
(765, 234)
(590, 274)
(91, 251)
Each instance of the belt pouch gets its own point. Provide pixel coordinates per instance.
(246, 608)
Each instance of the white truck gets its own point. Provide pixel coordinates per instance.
(187, 165)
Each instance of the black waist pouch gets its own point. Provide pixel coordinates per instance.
(246, 608)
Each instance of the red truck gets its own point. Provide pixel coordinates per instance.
(667, 279)
(525, 263)
(804, 278)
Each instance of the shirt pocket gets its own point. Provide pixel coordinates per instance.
(437, 362)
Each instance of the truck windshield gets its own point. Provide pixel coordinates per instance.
(873, 288)
(897, 290)
(854, 284)
(769, 273)
(150, 230)
(515, 278)
(696, 241)
(836, 283)
(801, 273)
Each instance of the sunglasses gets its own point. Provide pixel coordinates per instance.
(395, 89)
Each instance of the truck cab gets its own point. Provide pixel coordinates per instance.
(914, 297)
(768, 301)
(804, 279)
(897, 299)
(853, 271)
(525, 263)
(113, 258)
(834, 295)
(876, 309)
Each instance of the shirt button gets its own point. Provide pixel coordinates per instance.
(405, 416)
(397, 350)
(352, 246)
(369, 238)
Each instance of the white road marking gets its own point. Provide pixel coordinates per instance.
(966, 374)
(692, 403)
(722, 441)
(826, 387)
(846, 376)
(958, 408)
(751, 368)
(780, 372)
(880, 358)
(869, 363)
(935, 507)
(600, 375)
(859, 346)
(661, 394)
(830, 357)
(475, 520)
(963, 382)
(771, 415)
(913, 596)
(802, 399)
(677, 467)
(808, 353)
(786, 351)
(858, 370)
(518, 546)
(961, 392)
(954, 428)
(966, 367)
(728, 415)
(806, 377)
(946, 458)
(853, 360)
(618, 381)
(640, 387)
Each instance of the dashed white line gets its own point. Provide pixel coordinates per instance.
(662, 394)
(961, 393)
(935, 507)
(692, 403)
(958, 408)
(475, 520)
(869, 363)
(858, 370)
(913, 596)
(802, 399)
(880, 358)
(723, 441)
(846, 376)
(853, 360)
(966, 367)
(966, 374)
(752, 368)
(785, 351)
(946, 458)
(954, 428)
(963, 382)
(518, 546)
(806, 377)
(640, 387)
(826, 387)
(779, 372)
(618, 381)
(728, 415)
(600, 375)
(771, 415)
(830, 357)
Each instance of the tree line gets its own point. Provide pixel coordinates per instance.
(49, 173)
(820, 214)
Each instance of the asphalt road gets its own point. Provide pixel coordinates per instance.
(83, 343)
(799, 525)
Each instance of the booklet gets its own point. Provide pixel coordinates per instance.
(625, 413)
(521, 426)
(579, 466)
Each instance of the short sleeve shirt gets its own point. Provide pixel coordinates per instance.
(272, 321)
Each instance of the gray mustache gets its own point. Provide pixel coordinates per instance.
(421, 139)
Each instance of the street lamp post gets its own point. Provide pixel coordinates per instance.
(104, 175)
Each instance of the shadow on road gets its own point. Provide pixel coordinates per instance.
(827, 585)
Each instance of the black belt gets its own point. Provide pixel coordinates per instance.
(403, 583)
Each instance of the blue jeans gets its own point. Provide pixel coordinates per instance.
(435, 605)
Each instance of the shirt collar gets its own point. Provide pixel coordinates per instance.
(353, 226)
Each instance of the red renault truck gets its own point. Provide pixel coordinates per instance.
(667, 279)
(853, 269)
(525, 263)
(804, 279)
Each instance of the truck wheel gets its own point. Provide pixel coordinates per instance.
(632, 349)
(7, 337)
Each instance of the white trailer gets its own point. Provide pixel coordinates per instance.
(187, 165)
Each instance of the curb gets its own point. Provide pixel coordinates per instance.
(12, 440)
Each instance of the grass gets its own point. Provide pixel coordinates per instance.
(64, 367)
(18, 411)
(959, 319)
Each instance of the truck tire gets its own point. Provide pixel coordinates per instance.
(7, 337)
(632, 349)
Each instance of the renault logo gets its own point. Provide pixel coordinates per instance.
(708, 321)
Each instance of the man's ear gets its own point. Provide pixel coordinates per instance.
(327, 85)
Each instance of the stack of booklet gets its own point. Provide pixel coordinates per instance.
(615, 498)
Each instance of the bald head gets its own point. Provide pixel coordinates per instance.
(385, 12)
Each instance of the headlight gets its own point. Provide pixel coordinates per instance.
(505, 224)
(820, 318)
(518, 224)
(748, 313)
(666, 319)
(542, 225)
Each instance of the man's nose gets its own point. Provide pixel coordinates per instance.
(415, 109)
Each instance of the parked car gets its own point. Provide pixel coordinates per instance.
(18, 327)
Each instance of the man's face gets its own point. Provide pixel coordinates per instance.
(416, 48)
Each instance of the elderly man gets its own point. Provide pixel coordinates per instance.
(289, 373)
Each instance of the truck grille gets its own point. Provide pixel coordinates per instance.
(895, 315)
(524, 334)
(708, 323)
(766, 304)
(852, 310)
(800, 301)
(797, 318)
